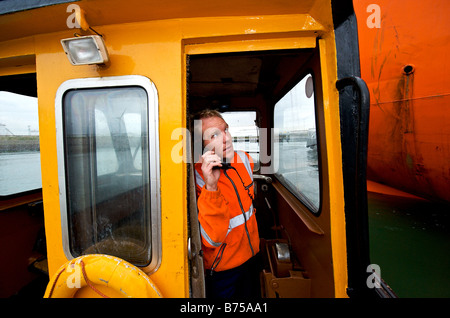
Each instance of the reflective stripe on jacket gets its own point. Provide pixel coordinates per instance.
(221, 218)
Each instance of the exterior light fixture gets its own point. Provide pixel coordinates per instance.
(84, 50)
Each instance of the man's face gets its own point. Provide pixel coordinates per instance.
(216, 137)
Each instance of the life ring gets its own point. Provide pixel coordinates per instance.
(106, 275)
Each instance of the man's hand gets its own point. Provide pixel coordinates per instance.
(210, 160)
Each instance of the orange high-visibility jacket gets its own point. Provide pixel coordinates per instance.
(221, 218)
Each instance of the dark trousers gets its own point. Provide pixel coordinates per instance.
(239, 282)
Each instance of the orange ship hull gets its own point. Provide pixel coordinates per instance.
(404, 48)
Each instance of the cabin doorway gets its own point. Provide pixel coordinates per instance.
(257, 88)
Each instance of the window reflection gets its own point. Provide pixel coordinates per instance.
(245, 133)
(20, 164)
(107, 160)
(294, 117)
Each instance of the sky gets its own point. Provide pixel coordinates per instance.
(241, 123)
(295, 111)
(18, 112)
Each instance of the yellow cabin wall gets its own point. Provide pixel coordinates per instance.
(336, 195)
(159, 60)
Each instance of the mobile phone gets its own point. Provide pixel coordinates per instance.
(225, 166)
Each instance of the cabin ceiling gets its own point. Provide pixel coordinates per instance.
(29, 17)
(224, 76)
(238, 78)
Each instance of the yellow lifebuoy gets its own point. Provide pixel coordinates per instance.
(100, 275)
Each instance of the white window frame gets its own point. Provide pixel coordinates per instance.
(154, 155)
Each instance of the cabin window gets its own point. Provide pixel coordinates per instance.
(20, 164)
(297, 156)
(245, 133)
(109, 146)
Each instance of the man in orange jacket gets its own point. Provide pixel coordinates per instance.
(229, 231)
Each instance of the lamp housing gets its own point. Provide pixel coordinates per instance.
(84, 50)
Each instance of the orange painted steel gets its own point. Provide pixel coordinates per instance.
(404, 63)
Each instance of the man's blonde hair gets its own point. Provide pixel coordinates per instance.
(207, 113)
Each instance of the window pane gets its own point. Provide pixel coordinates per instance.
(244, 131)
(20, 164)
(294, 116)
(106, 157)
(134, 138)
(107, 175)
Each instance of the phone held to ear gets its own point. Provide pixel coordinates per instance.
(225, 166)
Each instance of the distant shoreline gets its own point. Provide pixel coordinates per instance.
(19, 143)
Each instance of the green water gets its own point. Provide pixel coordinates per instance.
(410, 241)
